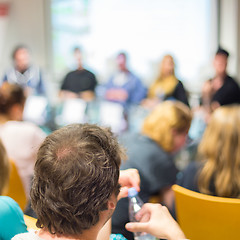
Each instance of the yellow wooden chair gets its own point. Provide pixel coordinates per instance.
(207, 217)
(30, 222)
(15, 187)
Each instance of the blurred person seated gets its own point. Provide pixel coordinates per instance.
(221, 89)
(24, 73)
(151, 152)
(218, 91)
(124, 87)
(11, 217)
(21, 139)
(166, 86)
(157, 221)
(79, 83)
(77, 182)
(217, 173)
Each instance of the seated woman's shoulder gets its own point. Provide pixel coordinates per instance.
(7, 203)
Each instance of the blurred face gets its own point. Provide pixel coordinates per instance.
(22, 59)
(179, 140)
(167, 66)
(220, 64)
(121, 62)
(78, 57)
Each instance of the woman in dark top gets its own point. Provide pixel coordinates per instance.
(151, 152)
(167, 86)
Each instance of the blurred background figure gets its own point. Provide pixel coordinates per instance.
(221, 89)
(218, 172)
(24, 73)
(124, 87)
(166, 86)
(151, 152)
(79, 83)
(21, 139)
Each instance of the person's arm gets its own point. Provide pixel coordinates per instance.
(139, 91)
(156, 220)
(180, 93)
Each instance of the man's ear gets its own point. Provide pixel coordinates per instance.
(112, 202)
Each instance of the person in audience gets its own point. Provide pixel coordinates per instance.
(24, 73)
(124, 87)
(156, 220)
(218, 172)
(76, 182)
(81, 191)
(221, 89)
(11, 216)
(21, 139)
(164, 132)
(166, 86)
(79, 83)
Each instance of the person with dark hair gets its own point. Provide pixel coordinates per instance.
(221, 89)
(20, 138)
(79, 83)
(76, 182)
(124, 87)
(76, 186)
(24, 73)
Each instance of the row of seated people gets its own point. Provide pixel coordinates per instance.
(151, 152)
(124, 86)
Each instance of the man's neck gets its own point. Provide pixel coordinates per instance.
(80, 67)
(86, 235)
(221, 75)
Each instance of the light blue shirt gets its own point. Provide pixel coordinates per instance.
(11, 218)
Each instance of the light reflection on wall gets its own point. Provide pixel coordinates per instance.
(146, 29)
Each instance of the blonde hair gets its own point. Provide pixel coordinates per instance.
(161, 75)
(220, 148)
(163, 83)
(4, 168)
(166, 117)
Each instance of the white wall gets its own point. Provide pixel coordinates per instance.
(229, 33)
(25, 25)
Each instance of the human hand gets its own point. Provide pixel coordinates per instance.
(116, 95)
(156, 220)
(128, 178)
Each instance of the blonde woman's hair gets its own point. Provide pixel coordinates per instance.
(167, 117)
(161, 75)
(4, 168)
(220, 148)
(163, 84)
